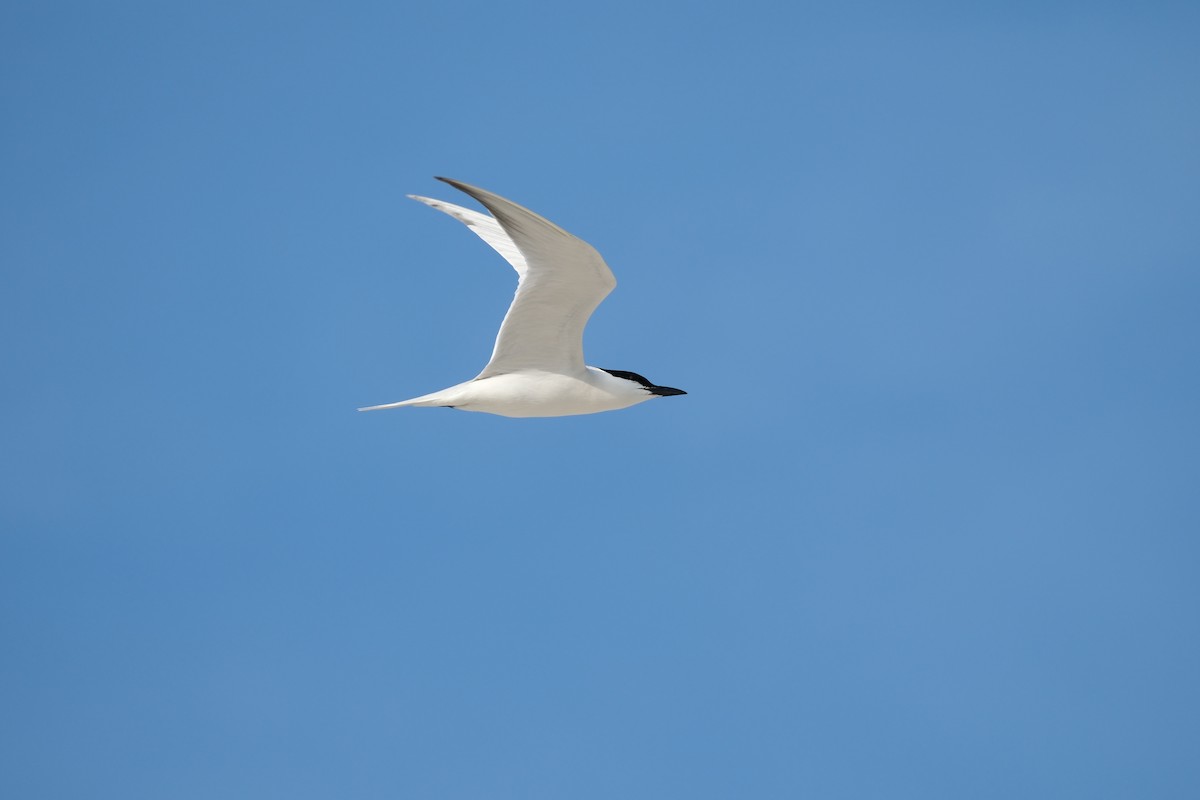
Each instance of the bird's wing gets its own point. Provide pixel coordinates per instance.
(562, 282)
(485, 227)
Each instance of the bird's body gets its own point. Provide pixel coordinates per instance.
(534, 393)
(537, 367)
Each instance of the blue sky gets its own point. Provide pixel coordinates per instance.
(925, 525)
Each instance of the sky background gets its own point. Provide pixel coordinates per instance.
(925, 526)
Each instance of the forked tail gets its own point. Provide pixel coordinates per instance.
(426, 400)
(387, 405)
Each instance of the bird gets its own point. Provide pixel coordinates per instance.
(537, 367)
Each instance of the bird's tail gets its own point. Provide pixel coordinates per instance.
(425, 400)
(387, 405)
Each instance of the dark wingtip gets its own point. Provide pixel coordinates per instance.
(462, 187)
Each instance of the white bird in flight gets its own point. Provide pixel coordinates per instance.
(537, 367)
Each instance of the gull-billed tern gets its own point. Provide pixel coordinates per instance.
(537, 367)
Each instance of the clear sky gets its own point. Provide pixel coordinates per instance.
(925, 526)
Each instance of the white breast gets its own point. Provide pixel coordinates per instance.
(533, 393)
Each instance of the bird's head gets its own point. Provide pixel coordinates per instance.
(657, 391)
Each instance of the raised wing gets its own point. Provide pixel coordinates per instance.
(562, 281)
(484, 226)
